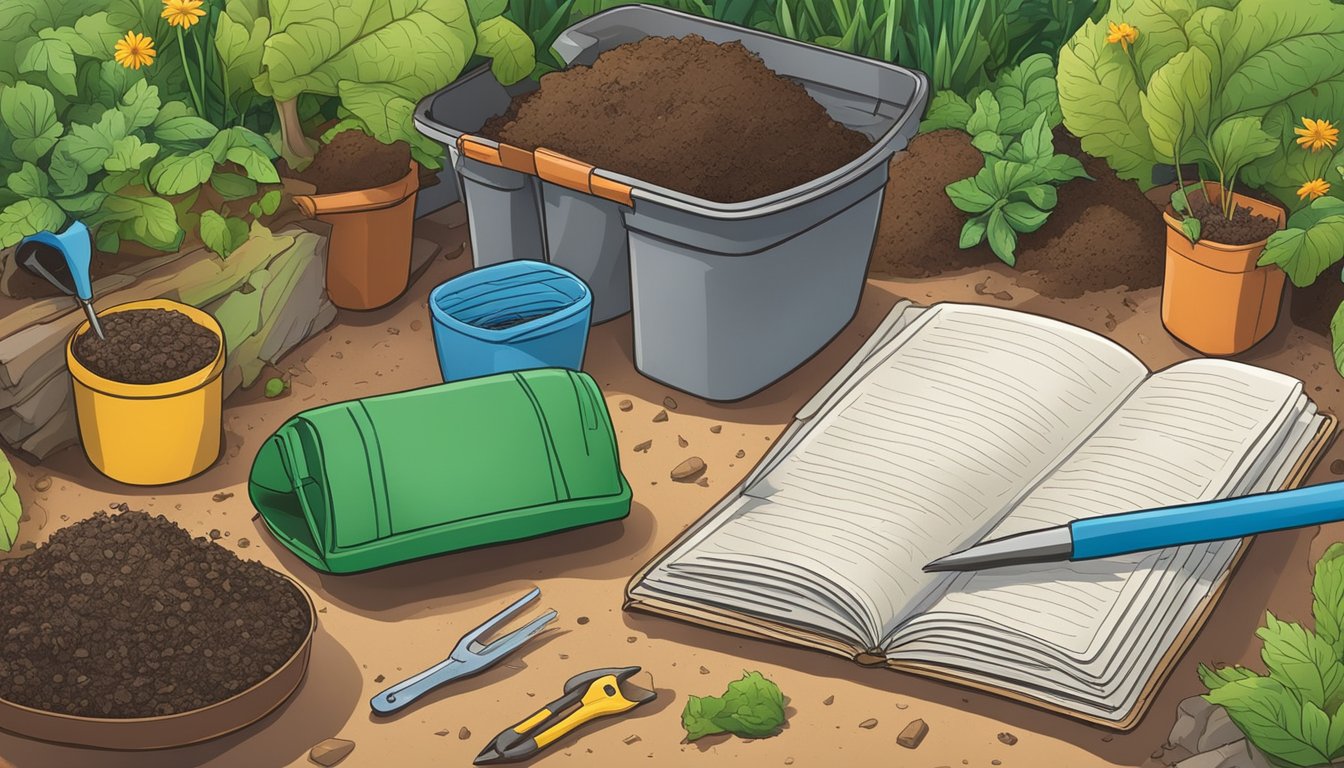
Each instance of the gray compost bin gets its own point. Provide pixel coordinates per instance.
(727, 297)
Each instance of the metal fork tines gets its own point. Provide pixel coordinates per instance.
(468, 658)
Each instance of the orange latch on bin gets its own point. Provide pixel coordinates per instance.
(479, 151)
(579, 176)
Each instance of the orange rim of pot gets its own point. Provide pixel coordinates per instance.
(78, 724)
(1223, 250)
(371, 199)
(189, 383)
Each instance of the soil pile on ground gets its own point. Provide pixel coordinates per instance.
(127, 615)
(353, 161)
(1243, 228)
(1103, 233)
(703, 119)
(1314, 307)
(147, 346)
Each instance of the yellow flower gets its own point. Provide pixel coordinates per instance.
(134, 51)
(1123, 33)
(1313, 189)
(1316, 134)
(182, 13)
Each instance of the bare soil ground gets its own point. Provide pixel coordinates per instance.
(379, 627)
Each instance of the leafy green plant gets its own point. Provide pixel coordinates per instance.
(752, 707)
(380, 59)
(83, 136)
(1295, 712)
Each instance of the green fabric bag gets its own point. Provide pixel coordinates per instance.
(385, 479)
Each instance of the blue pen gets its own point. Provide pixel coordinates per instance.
(1128, 532)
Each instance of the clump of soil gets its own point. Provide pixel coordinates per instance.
(1243, 228)
(697, 117)
(353, 160)
(147, 346)
(1103, 233)
(1314, 307)
(127, 615)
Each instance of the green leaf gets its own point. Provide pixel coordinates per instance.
(222, 235)
(185, 128)
(414, 47)
(1301, 660)
(1192, 227)
(1337, 338)
(268, 204)
(973, 231)
(486, 9)
(66, 172)
(1061, 168)
(1180, 199)
(28, 217)
(1024, 217)
(946, 110)
(79, 206)
(1176, 106)
(989, 143)
(257, 165)
(752, 708)
(275, 387)
(90, 145)
(29, 113)
(1312, 243)
(128, 154)
(1238, 141)
(1042, 196)
(148, 220)
(231, 186)
(236, 137)
(116, 81)
(1275, 721)
(1327, 590)
(1027, 92)
(107, 240)
(93, 36)
(698, 716)
(1215, 678)
(51, 57)
(986, 115)
(1002, 239)
(178, 174)
(967, 195)
(140, 105)
(385, 116)
(511, 52)
(11, 507)
(28, 181)
(240, 38)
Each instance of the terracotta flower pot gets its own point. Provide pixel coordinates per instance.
(1214, 297)
(369, 253)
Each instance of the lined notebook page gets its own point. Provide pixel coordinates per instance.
(1197, 431)
(965, 412)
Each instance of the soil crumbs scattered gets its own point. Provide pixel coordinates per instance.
(1103, 233)
(126, 615)
(1243, 228)
(353, 160)
(147, 346)
(701, 118)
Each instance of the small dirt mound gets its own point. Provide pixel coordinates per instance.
(1314, 307)
(704, 119)
(146, 346)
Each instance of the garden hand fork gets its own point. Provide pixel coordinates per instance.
(469, 658)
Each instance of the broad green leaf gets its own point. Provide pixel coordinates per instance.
(413, 47)
(93, 35)
(1274, 720)
(1027, 92)
(386, 117)
(1334, 739)
(973, 231)
(1192, 227)
(140, 105)
(11, 508)
(237, 136)
(107, 240)
(222, 234)
(1312, 243)
(29, 113)
(989, 143)
(1061, 168)
(946, 110)
(1236, 142)
(511, 52)
(50, 57)
(28, 217)
(148, 220)
(28, 181)
(1024, 217)
(1214, 678)
(986, 115)
(240, 41)
(257, 165)
(185, 128)
(1036, 146)
(1180, 199)
(86, 204)
(179, 174)
(116, 81)
(1303, 661)
(90, 145)
(1327, 590)
(1337, 338)
(1002, 239)
(967, 195)
(231, 186)
(129, 153)
(486, 9)
(66, 172)
(1176, 106)
(267, 204)
(1042, 196)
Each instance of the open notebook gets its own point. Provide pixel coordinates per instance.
(957, 423)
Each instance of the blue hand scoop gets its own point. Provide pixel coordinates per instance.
(63, 261)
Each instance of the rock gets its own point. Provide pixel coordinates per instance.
(669, 404)
(626, 405)
(379, 679)
(1238, 754)
(1192, 715)
(215, 534)
(1218, 731)
(869, 724)
(464, 734)
(1003, 296)
(703, 482)
(661, 416)
(1132, 304)
(632, 739)
(689, 470)
(222, 496)
(244, 543)
(681, 442)
(913, 734)
(741, 454)
(1337, 466)
(828, 701)
(1007, 738)
(716, 429)
(644, 446)
(704, 670)
(444, 732)
(331, 751)
(416, 325)
(42, 484)
(582, 620)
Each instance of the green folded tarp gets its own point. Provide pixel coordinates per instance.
(371, 482)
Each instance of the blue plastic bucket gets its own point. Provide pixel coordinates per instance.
(513, 316)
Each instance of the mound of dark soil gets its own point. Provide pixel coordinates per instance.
(704, 119)
(146, 346)
(1103, 233)
(127, 615)
(353, 161)
(1314, 307)
(1243, 228)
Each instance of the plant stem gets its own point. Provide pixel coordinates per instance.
(291, 130)
(1134, 65)
(186, 71)
(200, 61)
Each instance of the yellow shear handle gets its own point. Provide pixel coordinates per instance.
(596, 703)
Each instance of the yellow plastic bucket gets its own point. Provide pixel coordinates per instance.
(150, 434)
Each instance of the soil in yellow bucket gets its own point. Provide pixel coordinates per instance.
(149, 398)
